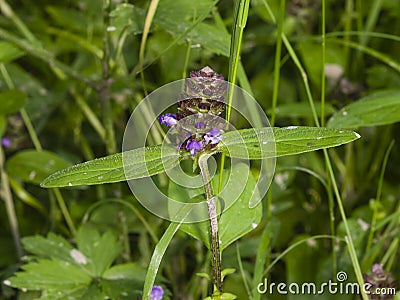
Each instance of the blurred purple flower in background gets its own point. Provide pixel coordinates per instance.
(6, 142)
(157, 293)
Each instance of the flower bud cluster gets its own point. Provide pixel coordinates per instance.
(197, 125)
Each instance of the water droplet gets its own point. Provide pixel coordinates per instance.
(32, 175)
(319, 138)
(7, 282)
(254, 225)
(69, 184)
(292, 127)
(364, 226)
(99, 177)
(357, 135)
(264, 143)
(344, 113)
(84, 173)
(78, 256)
(111, 28)
(311, 243)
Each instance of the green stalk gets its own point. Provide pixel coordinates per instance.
(347, 28)
(212, 213)
(8, 12)
(104, 89)
(277, 64)
(323, 55)
(241, 15)
(242, 272)
(46, 57)
(64, 210)
(369, 26)
(38, 147)
(89, 114)
(323, 87)
(349, 239)
(10, 208)
(378, 199)
(146, 29)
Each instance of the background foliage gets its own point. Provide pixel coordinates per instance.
(69, 79)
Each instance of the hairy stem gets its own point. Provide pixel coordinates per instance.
(212, 213)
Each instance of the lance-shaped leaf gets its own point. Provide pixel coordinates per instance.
(274, 142)
(133, 164)
(247, 143)
(377, 109)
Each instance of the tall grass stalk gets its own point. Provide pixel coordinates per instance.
(38, 147)
(378, 198)
(349, 239)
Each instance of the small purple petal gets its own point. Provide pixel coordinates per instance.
(200, 125)
(213, 136)
(168, 119)
(194, 147)
(6, 142)
(157, 293)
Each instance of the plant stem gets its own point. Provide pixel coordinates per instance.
(212, 213)
(104, 89)
(7, 196)
(146, 29)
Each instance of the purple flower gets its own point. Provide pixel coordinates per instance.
(194, 147)
(168, 119)
(213, 136)
(156, 293)
(6, 142)
(200, 125)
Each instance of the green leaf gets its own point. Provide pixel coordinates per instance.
(143, 162)
(377, 109)
(54, 246)
(62, 16)
(123, 281)
(26, 197)
(100, 251)
(8, 52)
(127, 17)
(229, 228)
(176, 17)
(34, 166)
(129, 271)
(259, 143)
(139, 163)
(11, 101)
(50, 274)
